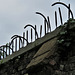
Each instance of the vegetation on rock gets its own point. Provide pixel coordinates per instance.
(66, 38)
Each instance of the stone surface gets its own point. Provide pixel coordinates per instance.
(35, 54)
(43, 52)
(25, 74)
(17, 66)
(61, 67)
(52, 62)
(53, 65)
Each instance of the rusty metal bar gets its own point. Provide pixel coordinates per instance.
(33, 28)
(42, 15)
(31, 35)
(17, 36)
(16, 44)
(65, 6)
(49, 25)
(45, 26)
(9, 48)
(27, 35)
(23, 38)
(6, 49)
(35, 32)
(19, 43)
(69, 12)
(3, 52)
(12, 46)
(60, 16)
(40, 31)
(56, 19)
(45, 20)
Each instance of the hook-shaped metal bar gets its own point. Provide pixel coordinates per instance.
(42, 15)
(29, 25)
(17, 36)
(2, 53)
(65, 6)
(45, 20)
(5, 46)
(2, 50)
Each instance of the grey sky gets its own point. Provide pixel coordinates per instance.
(15, 14)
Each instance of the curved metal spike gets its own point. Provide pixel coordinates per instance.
(17, 36)
(42, 15)
(33, 28)
(5, 46)
(65, 6)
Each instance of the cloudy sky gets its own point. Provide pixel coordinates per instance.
(15, 14)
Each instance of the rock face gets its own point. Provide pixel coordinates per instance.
(17, 66)
(16, 63)
(57, 56)
(54, 54)
(46, 50)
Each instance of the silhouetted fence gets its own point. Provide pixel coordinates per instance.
(18, 42)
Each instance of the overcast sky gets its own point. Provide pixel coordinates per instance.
(15, 14)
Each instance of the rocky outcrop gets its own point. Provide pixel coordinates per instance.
(57, 56)
(53, 54)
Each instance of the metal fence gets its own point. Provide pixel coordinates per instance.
(18, 42)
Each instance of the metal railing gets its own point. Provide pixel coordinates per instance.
(18, 42)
